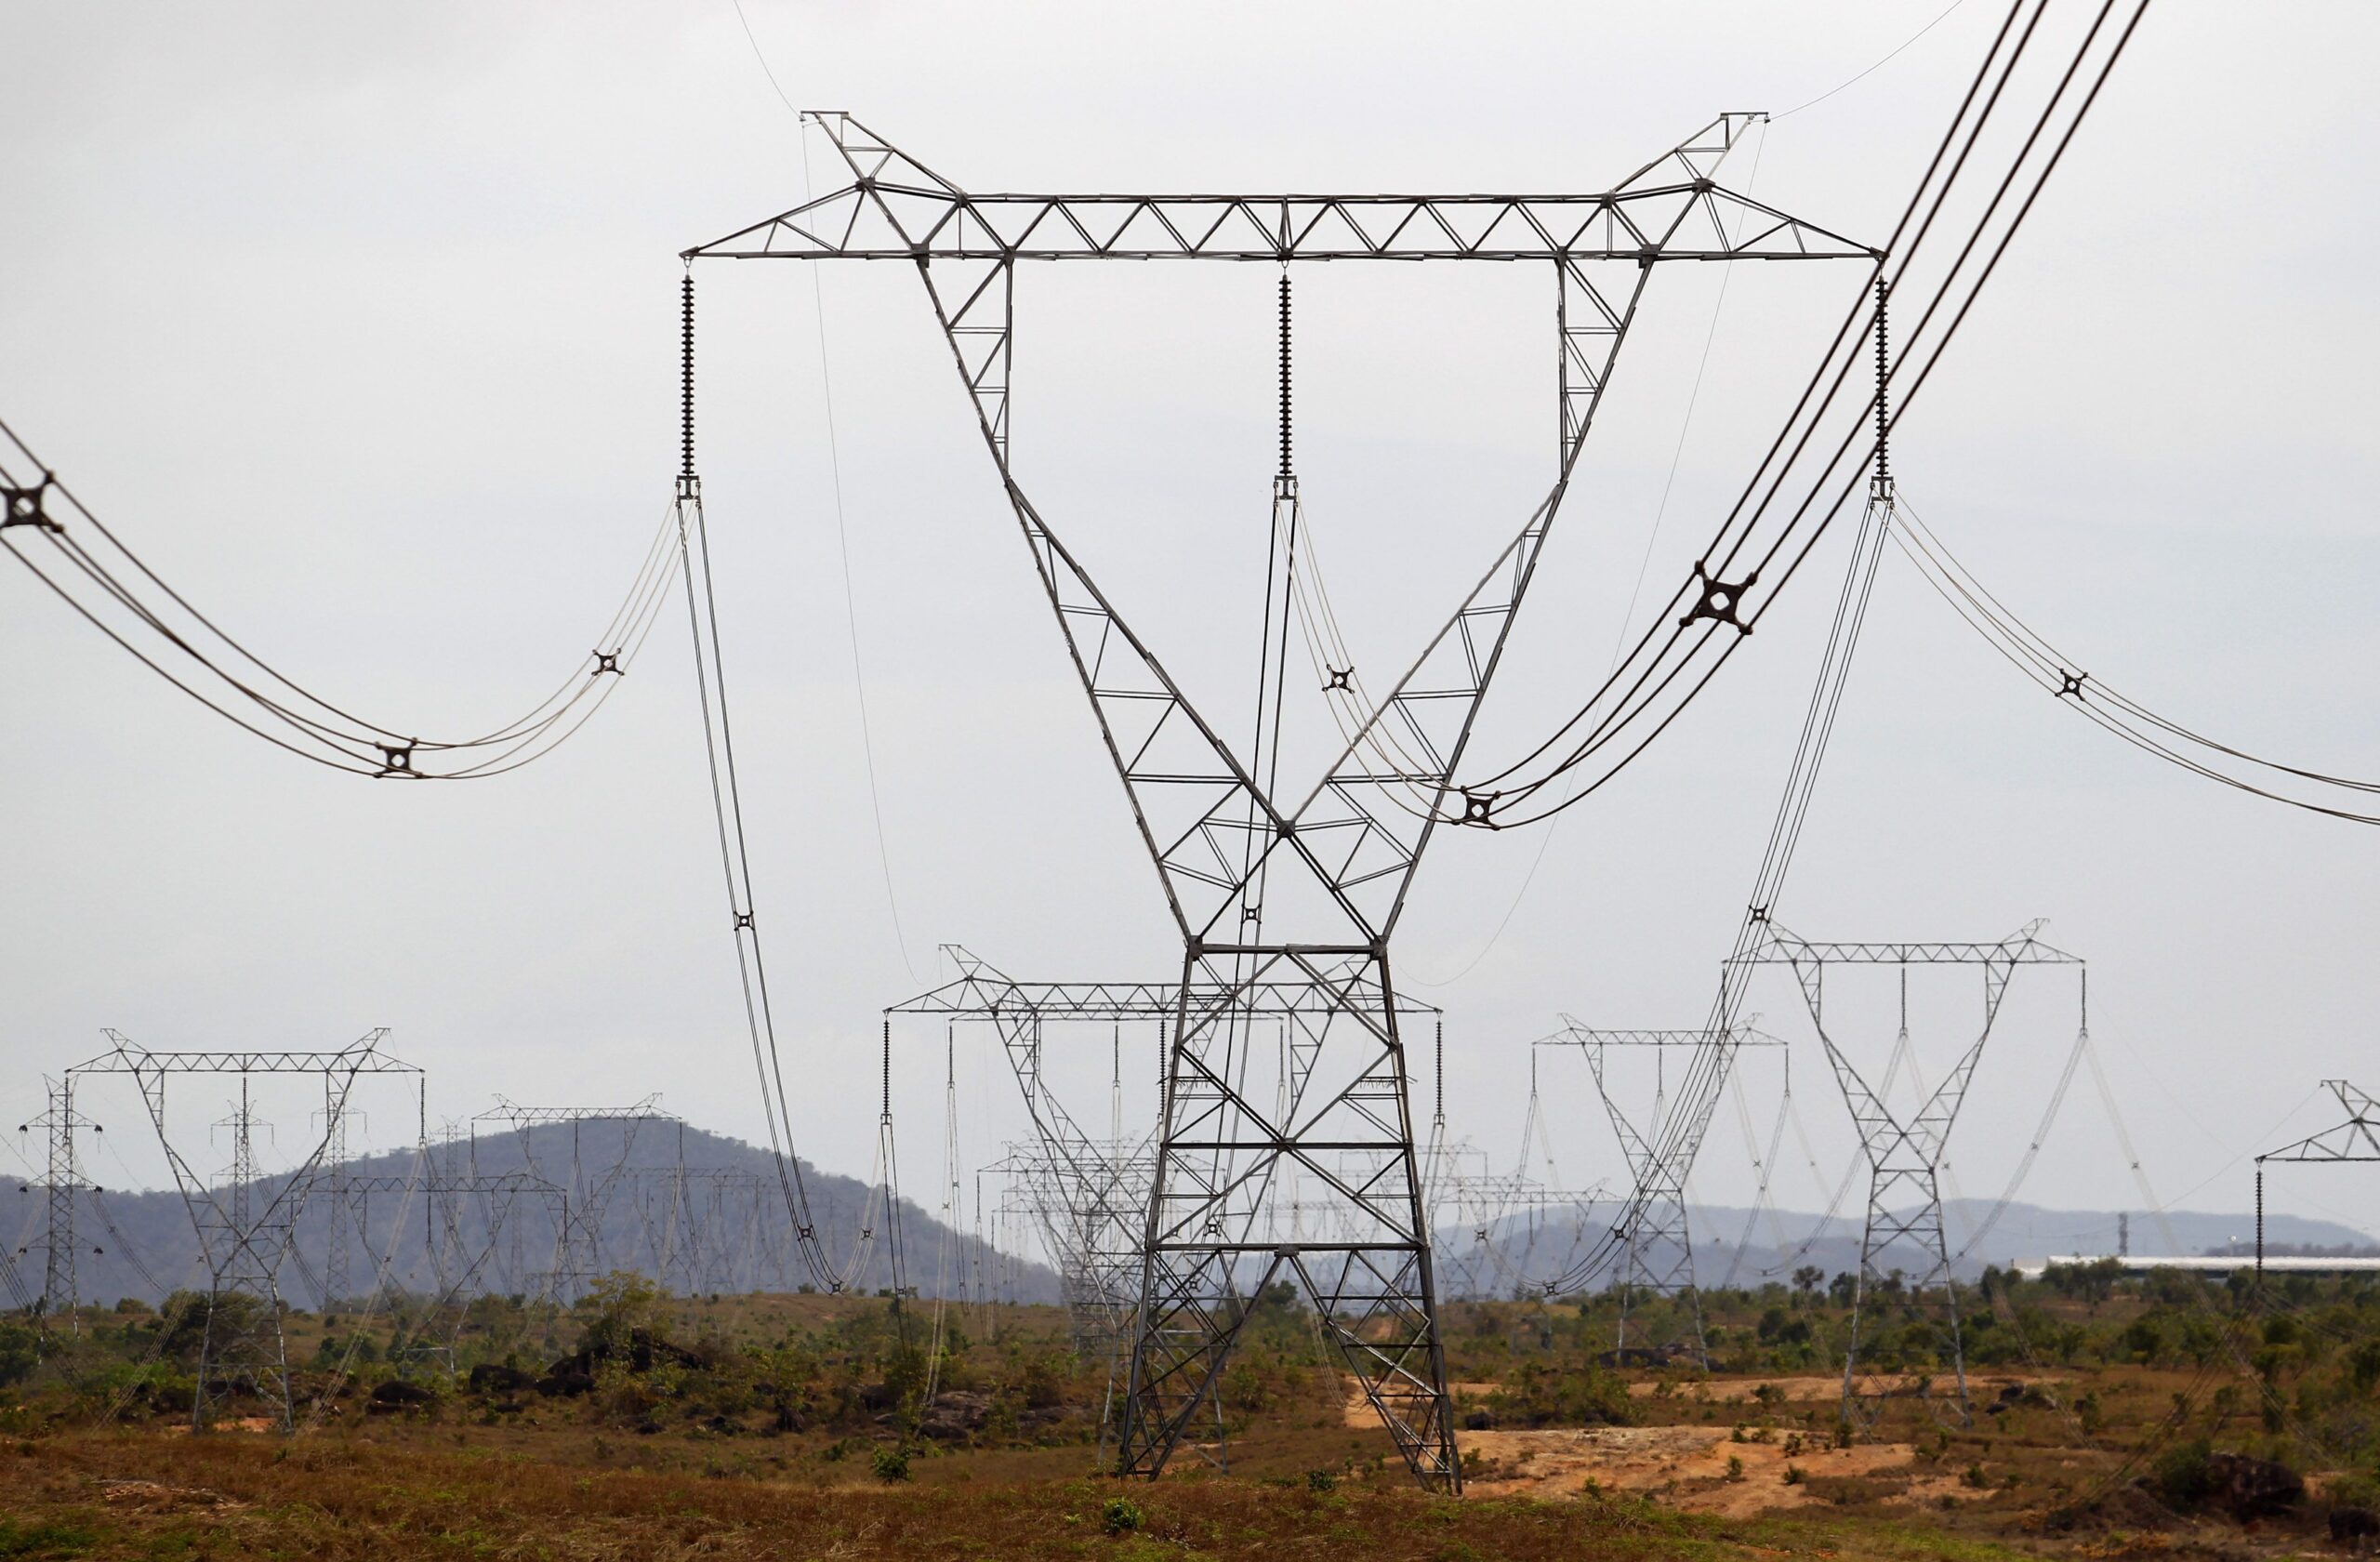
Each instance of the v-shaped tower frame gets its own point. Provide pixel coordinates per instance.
(1658, 1239)
(246, 1225)
(1331, 867)
(1905, 1152)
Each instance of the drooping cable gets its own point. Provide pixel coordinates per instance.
(2339, 797)
(1738, 578)
(66, 547)
(1684, 1129)
(727, 808)
(1677, 1135)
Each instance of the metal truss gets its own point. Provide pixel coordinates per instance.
(245, 1228)
(1333, 869)
(1904, 1156)
(1089, 1226)
(2358, 1139)
(1089, 1196)
(703, 1226)
(62, 1188)
(895, 209)
(1658, 1241)
(581, 1195)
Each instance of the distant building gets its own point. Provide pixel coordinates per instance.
(2140, 1263)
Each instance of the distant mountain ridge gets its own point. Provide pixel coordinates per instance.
(700, 1210)
(1736, 1246)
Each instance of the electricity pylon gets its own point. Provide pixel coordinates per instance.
(2356, 1139)
(245, 1226)
(62, 1188)
(1265, 885)
(1905, 1153)
(1658, 1242)
(581, 1195)
(1090, 1193)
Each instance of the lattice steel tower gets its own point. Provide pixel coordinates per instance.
(1905, 1153)
(1267, 886)
(1657, 1237)
(245, 1226)
(62, 1188)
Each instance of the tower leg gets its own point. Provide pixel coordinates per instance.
(1905, 1212)
(1218, 1243)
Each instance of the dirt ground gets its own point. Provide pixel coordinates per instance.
(1701, 1468)
(1741, 1391)
(1689, 1465)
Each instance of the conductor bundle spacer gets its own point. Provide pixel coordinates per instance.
(22, 507)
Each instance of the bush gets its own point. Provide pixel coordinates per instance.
(1121, 1516)
(890, 1464)
(1321, 1480)
(2181, 1474)
(2354, 1491)
(20, 1352)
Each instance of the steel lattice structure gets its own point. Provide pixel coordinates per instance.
(2358, 1139)
(1332, 870)
(245, 1229)
(1089, 1196)
(1658, 1241)
(580, 1198)
(708, 1233)
(1904, 1156)
(63, 1186)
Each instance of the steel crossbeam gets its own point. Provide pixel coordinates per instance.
(895, 209)
(2358, 1139)
(1239, 860)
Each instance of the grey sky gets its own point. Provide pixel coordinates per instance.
(360, 322)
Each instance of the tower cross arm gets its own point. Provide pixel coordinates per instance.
(1638, 224)
(896, 208)
(2024, 948)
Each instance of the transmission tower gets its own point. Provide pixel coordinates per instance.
(1263, 886)
(582, 1196)
(63, 1186)
(2358, 1139)
(1095, 1188)
(245, 1226)
(343, 1211)
(697, 1245)
(1905, 1153)
(1658, 1241)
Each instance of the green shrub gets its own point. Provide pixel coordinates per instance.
(890, 1464)
(1121, 1516)
(2180, 1473)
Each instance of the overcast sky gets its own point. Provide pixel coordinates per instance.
(360, 322)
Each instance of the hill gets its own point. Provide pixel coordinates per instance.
(1740, 1246)
(519, 1211)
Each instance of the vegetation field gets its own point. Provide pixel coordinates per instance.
(2107, 1416)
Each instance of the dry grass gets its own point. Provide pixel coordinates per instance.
(419, 1493)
